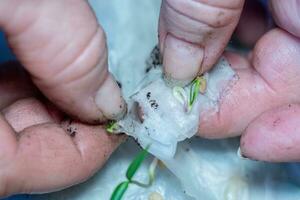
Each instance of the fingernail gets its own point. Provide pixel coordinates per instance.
(109, 99)
(172, 82)
(181, 60)
(240, 155)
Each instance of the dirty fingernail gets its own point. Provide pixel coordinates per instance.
(109, 99)
(240, 155)
(181, 60)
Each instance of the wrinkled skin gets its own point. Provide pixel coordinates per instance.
(264, 104)
(40, 151)
(194, 33)
(65, 66)
(62, 46)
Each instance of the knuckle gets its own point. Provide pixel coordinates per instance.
(214, 15)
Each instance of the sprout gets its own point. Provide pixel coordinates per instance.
(151, 173)
(136, 163)
(119, 191)
(132, 169)
(111, 127)
(152, 170)
(198, 85)
(180, 94)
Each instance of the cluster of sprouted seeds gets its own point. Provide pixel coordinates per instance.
(111, 126)
(197, 85)
(131, 170)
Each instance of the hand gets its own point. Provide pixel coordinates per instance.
(63, 48)
(264, 104)
(193, 35)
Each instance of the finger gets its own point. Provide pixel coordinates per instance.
(8, 145)
(274, 136)
(272, 81)
(51, 156)
(193, 34)
(286, 15)
(14, 84)
(25, 113)
(253, 23)
(63, 47)
(50, 159)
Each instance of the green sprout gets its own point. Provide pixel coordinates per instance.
(136, 163)
(197, 85)
(194, 91)
(151, 174)
(180, 94)
(120, 190)
(111, 127)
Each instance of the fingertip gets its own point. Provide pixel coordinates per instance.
(181, 60)
(71, 70)
(274, 136)
(109, 99)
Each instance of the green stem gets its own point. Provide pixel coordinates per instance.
(151, 173)
(194, 91)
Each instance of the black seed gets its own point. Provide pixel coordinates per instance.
(152, 101)
(148, 95)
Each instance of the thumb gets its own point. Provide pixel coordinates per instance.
(274, 136)
(193, 34)
(63, 47)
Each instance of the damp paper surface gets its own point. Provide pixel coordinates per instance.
(200, 169)
(165, 120)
